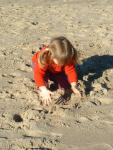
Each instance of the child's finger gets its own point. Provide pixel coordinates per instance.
(43, 102)
(49, 100)
(51, 93)
(77, 92)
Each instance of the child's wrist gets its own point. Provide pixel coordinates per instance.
(73, 84)
(42, 88)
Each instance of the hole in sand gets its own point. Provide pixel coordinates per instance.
(17, 118)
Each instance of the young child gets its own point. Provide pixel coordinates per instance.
(55, 62)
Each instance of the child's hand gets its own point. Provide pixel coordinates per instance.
(46, 95)
(74, 89)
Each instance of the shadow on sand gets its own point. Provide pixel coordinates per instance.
(93, 67)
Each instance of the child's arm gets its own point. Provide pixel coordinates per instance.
(72, 78)
(71, 73)
(40, 83)
(39, 74)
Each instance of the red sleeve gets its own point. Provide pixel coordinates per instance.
(39, 73)
(71, 73)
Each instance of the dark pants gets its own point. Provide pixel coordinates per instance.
(60, 80)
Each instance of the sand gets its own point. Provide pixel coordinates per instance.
(78, 124)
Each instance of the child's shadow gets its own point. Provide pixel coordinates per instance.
(94, 67)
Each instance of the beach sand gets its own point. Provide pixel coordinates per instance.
(77, 124)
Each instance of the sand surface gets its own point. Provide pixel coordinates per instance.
(85, 124)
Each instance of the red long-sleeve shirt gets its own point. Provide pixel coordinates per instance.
(39, 73)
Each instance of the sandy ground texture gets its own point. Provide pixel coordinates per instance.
(69, 123)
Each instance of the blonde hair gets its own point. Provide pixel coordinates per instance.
(61, 49)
